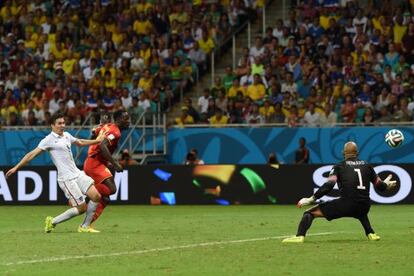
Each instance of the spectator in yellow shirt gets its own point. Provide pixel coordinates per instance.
(375, 19)
(110, 25)
(325, 17)
(384, 26)
(8, 10)
(7, 109)
(236, 87)
(359, 56)
(142, 25)
(340, 88)
(219, 118)
(145, 53)
(206, 43)
(399, 30)
(32, 38)
(185, 118)
(110, 82)
(179, 15)
(257, 90)
(142, 6)
(145, 83)
(59, 52)
(118, 36)
(68, 63)
(108, 68)
(267, 111)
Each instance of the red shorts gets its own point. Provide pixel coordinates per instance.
(96, 169)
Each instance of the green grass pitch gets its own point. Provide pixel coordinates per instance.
(204, 240)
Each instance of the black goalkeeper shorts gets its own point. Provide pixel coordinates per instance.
(339, 208)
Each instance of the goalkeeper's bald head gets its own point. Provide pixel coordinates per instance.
(350, 150)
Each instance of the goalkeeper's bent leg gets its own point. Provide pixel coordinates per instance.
(366, 224)
(305, 223)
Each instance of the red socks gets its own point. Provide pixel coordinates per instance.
(103, 190)
(105, 193)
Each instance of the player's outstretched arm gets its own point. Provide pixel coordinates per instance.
(323, 190)
(26, 159)
(386, 184)
(88, 142)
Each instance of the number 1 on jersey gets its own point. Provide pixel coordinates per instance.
(360, 186)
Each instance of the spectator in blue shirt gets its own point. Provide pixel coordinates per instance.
(316, 31)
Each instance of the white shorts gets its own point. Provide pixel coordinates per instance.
(75, 189)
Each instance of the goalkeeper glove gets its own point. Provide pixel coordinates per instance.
(306, 201)
(390, 183)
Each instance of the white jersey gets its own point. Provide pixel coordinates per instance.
(59, 148)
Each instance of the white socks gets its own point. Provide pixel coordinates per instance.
(68, 214)
(89, 213)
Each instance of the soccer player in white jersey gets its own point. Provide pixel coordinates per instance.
(74, 182)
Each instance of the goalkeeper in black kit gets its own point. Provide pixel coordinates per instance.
(353, 177)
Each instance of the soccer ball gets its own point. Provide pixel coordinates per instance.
(394, 138)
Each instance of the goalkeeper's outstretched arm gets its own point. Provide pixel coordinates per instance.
(326, 187)
(385, 184)
(323, 190)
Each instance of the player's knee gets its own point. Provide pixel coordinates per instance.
(82, 208)
(95, 197)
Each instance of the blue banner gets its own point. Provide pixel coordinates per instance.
(15, 144)
(253, 145)
(239, 145)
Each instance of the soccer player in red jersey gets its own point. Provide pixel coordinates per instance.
(100, 159)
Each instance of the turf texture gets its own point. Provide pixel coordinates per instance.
(204, 240)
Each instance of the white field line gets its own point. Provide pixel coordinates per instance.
(161, 249)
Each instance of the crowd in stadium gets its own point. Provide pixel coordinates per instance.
(330, 62)
(77, 56)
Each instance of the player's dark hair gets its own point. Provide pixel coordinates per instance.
(105, 117)
(118, 115)
(56, 116)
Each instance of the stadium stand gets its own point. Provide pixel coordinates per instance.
(330, 62)
(79, 57)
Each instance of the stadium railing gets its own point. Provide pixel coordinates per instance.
(218, 51)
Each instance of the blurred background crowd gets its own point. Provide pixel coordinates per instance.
(76, 56)
(329, 62)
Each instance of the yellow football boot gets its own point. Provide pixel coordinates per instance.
(87, 230)
(373, 237)
(49, 225)
(295, 239)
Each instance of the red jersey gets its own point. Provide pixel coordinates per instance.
(113, 135)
